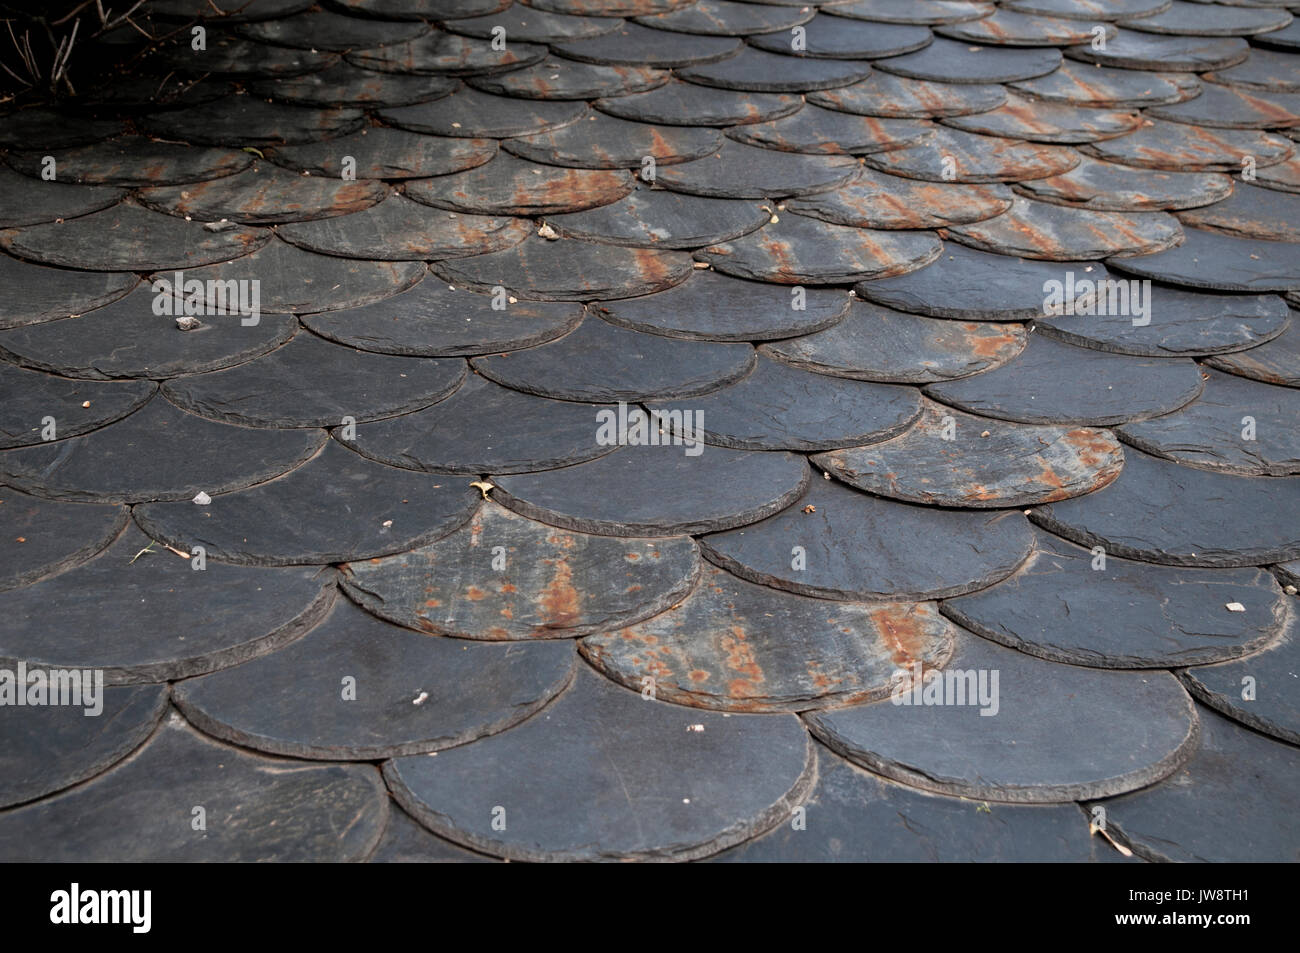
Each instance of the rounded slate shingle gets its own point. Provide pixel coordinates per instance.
(601, 362)
(503, 577)
(572, 790)
(1166, 513)
(1179, 147)
(1125, 730)
(1251, 212)
(945, 459)
(912, 11)
(415, 694)
(555, 78)
(879, 344)
(743, 171)
(657, 218)
(759, 71)
(1275, 362)
(1032, 229)
(1107, 87)
(1210, 19)
(37, 293)
(1270, 70)
(1129, 49)
(950, 61)
(40, 537)
(406, 842)
(1081, 607)
(956, 156)
(132, 161)
(634, 45)
(1041, 121)
(686, 104)
(56, 129)
(1287, 38)
(378, 152)
(325, 30)
(606, 142)
(248, 121)
(610, 8)
(234, 11)
(442, 54)
(344, 84)
(1108, 187)
(876, 200)
(28, 201)
(884, 94)
(1088, 9)
(831, 37)
(734, 646)
(837, 543)
(1220, 263)
(1271, 706)
(1009, 28)
(1222, 107)
(419, 9)
(235, 57)
(511, 186)
(814, 129)
(468, 113)
(714, 307)
(40, 407)
(522, 23)
(725, 18)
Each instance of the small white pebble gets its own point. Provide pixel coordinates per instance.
(421, 698)
(202, 499)
(1235, 607)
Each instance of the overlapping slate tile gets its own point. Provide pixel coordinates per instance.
(468, 113)
(601, 362)
(800, 250)
(1088, 9)
(687, 104)
(1287, 38)
(132, 161)
(532, 25)
(1108, 187)
(1219, 262)
(657, 218)
(169, 620)
(127, 237)
(256, 809)
(606, 142)
(759, 71)
(1053, 232)
(47, 748)
(845, 547)
(635, 45)
(1125, 729)
(157, 453)
(1166, 513)
(1015, 465)
(39, 407)
(571, 789)
(511, 186)
(568, 270)
(814, 129)
(726, 18)
(1040, 121)
(658, 491)
(550, 584)
(884, 94)
(951, 61)
(912, 11)
(610, 8)
(345, 84)
(406, 842)
(875, 200)
(445, 54)
(232, 11)
(1275, 362)
(382, 153)
(879, 344)
(1270, 70)
(1210, 19)
(1129, 49)
(1281, 177)
(556, 78)
(28, 201)
(1223, 805)
(42, 537)
(1226, 108)
(415, 694)
(1104, 86)
(248, 121)
(1270, 704)
(326, 30)
(836, 38)
(734, 646)
(56, 129)
(956, 156)
(420, 9)
(398, 229)
(1010, 28)
(233, 56)
(265, 195)
(1179, 147)
(1071, 605)
(1251, 212)
(715, 307)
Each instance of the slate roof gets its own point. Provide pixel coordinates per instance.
(366, 581)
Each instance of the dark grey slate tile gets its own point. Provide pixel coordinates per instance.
(725, 18)
(502, 577)
(1012, 28)
(611, 8)
(28, 201)
(1251, 212)
(874, 199)
(56, 128)
(1281, 176)
(1271, 70)
(512, 186)
(1210, 19)
(36, 407)
(1088, 9)
(42, 537)
(130, 161)
(1108, 187)
(326, 30)
(1288, 38)
(1257, 691)
(419, 9)
(230, 11)
(951, 61)
(742, 171)
(1219, 262)
(1276, 362)
(956, 156)
(232, 56)
(884, 94)
(814, 129)
(832, 37)
(657, 218)
(1093, 85)
(406, 842)
(468, 113)
(1125, 730)
(1180, 147)
(1227, 108)
(1044, 230)
(606, 142)
(265, 195)
(634, 45)
(248, 121)
(672, 783)
(37, 294)
(759, 71)
(1130, 49)
(911, 11)
(345, 84)
(556, 78)
(1043, 121)
(382, 153)
(533, 25)
(686, 104)
(444, 54)
(837, 543)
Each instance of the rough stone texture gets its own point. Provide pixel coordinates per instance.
(247, 121)
(686, 104)
(468, 113)
(635, 45)
(1225, 108)
(759, 71)
(1040, 121)
(1103, 86)
(41, 537)
(884, 94)
(131, 161)
(950, 61)
(1276, 362)
(384, 153)
(1251, 212)
(511, 186)
(831, 37)
(818, 130)
(1011, 28)
(607, 142)
(1271, 705)
(956, 156)
(349, 85)
(1129, 49)
(555, 78)
(1032, 229)
(657, 218)
(39, 407)
(1108, 187)
(725, 18)
(743, 171)
(1180, 147)
(442, 54)
(875, 200)
(1220, 263)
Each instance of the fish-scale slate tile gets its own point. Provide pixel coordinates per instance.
(233, 11)
(131, 161)
(1108, 187)
(814, 129)
(1081, 607)
(469, 113)
(759, 71)
(1226, 108)
(46, 748)
(344, 84)
(372, 510)
(634, 45)
(1270, 70)
(671, 784)
(1129, 49)
(1181, 323)
(255, 808)
(945, 459)
(532, 25)
(1055, 382)
(779, 407)
(41, 537)
(688, 104)
(414, 694)
(444, 54)
(956, 156)
(726, 18)
(433, 320)
(1125, 730)
(127, 237)
(912, 11)
(512, 186)
(1270, 704)
(1275, 362)
(39, 407)
(606, 142)
(295, 280)
(127, 339)
(1210, 19)
(1088, 9)
(1287, 38)
(149, 91)
(556, 78)
(1163, 512)
(232, 56)
(406, 842)
(1011, 28)
(326, 30)
(1040, 121)
(1237, 425)
(1251, 212)
(879, 344)
(1044, 230)
(657, 218)
(1220, 262)
(56, 128)
(311, 382)
(28, 201)
(382, 153)
(658, 491)
(876, 200)
(265, 195)
(399, 229)
(601, 362)
(504, 577)
(1226, 804)
(837, 543)
(950, 61)
(610, 8)
(884, 94)
(1281, 177)
(800, 250)
(1103, 86)
(419, 9)
(242, 121)
(568, 270)
(854, 816)
(715, 307)
(828, 37)
(170, 620)
(157, 453)
(734, 646)
(973, 285)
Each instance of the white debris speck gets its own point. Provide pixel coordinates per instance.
(548, 233)
(202, 499)
(421, 698)
(387, 523)
(188, 323)
(694, 727)
(1235, 607)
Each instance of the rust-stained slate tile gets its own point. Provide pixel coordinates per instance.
(883, 94)
(635, 45)
(956, 156)
(532, 25)
(1227, 108)
(826, 36)
(1088, 9)
(1150, 51)
(1038, 121)
(1275, 362)
(725, 18)
(950, 61)
(344, 84)
(469, 113)
(1288, 38)
(610, 8)
(131, 161)
(1210, 19)
(1109, 187)
(511, 186)
(1032, 229)
(378, 152)
(874, 199)
(1251, 212)
(601, 141)
(1264, 69)
(657, 218)
(233, 56)
(1179, 147)
(555, 78)
(759, 71)
(446, 54)
(686, 104)
(814, 129)
(247, 121)
(1104, 86)
(910, 11)
(1009, 28)
(333, 32)
(742, 171)
(1219, 262)
(56, 128)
